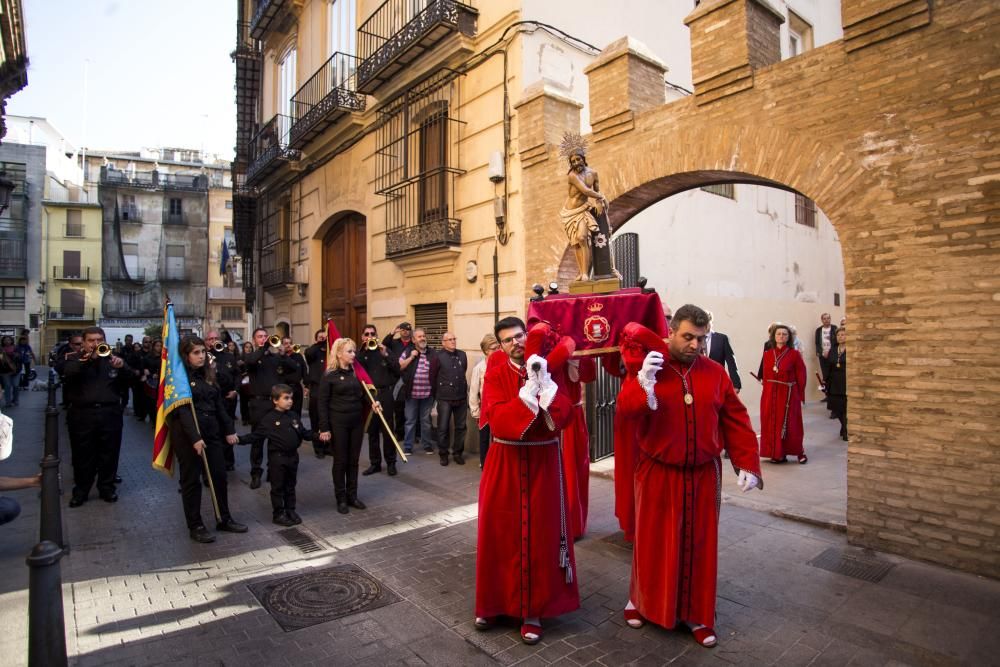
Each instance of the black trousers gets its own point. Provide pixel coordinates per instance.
(399, 414)
(824, 370)
(484, 444)
(297, 399)
(347, 435)
(282, 473)
(139, 401)
(228, 453)
(458, 411)
(259, 406)
(192, 468)
(319, 446)
(244, 406)
(95, 440)
(379, 443)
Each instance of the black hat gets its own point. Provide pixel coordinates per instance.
(405, 325)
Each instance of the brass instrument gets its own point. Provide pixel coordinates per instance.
(211, 357)
(296, 349)
(219, 346)
(274, 340)
(371, 344)
(104, 350)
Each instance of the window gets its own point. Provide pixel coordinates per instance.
(71, 264)
(433, 161)
(175, 262)
(341, 33)
(11, 298)
(800, 35)
(74, 222)
(71, 302)
(286, 84)
(230, 313)
(129, 211)
(175, 207)
(229, 204)
(836, 298)
(433, 319)
(130, 252)
(127, 302)
(805, 211)
(726, 190)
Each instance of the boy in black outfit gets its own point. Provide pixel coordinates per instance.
(283, 431)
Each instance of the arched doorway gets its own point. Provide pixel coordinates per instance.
(345, 284)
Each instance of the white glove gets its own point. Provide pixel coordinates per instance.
(547, 393)
(542, 374)
(651, 365)
(746, 481)
(529, 396)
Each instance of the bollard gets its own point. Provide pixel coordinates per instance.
(50, 523)
(46, 626)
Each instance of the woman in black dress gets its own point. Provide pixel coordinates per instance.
(190, 437)
(836, 387)
(341, 406)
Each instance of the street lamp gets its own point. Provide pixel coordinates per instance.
(6, 188)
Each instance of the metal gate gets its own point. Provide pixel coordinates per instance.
(602, 394)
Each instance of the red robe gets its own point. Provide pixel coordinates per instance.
(519, 557)
(678, 487)
(576, 448)
(773, 399)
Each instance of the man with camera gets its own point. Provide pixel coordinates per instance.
(94, 379)
(266, 366)
(383, 368)
(399, 343)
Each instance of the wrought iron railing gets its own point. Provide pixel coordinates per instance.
(263, 14)
(136, 179)
(134, 275)
(175, 275)
(275, 265)
(332, 89)
(420, 214)
(73, 230)
(71, 272)
(175, 218)
(130, 214)
(268, 147)
(12, 267)
(399, 25)
(188, 182)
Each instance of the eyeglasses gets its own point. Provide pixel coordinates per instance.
(510, 339)
(448, 339)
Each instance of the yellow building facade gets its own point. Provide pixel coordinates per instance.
(225, 282)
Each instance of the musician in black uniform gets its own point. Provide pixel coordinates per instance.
(207, 435)
(283, 430)
(266, 366)
(341, 420)
(383, 368)
(296, 377)
(316, 359)
(92, 387)
(228, 376)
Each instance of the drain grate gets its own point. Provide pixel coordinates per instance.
(301, 540)
(319, 596)
(853, 563)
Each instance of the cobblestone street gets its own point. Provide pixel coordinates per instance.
(137, 591)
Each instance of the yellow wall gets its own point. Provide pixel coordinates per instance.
(54, 242)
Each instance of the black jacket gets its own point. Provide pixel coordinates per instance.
(316, 359)
(226, 371)
(447, 375)
(93, 381)
(341, 398)
(213, 423)
(283, 432)
(722, 352)
(383, 370)
(410, 371)
(833, 342)
(266, 369)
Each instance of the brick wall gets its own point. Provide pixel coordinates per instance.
(894, 133)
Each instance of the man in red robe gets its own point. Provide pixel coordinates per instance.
(576, 446)
(525, 567)
(686, 412)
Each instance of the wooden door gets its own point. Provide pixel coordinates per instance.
(345, 284)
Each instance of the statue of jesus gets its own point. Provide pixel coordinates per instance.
(585, 208)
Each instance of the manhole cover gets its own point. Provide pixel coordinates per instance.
(857, 564)
(319, 596)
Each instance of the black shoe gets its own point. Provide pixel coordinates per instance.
(371, 470)
(255, 480)
(428, 450)
(76, 501)
(294, 516)
(230, 467)
(843, 437)
(118, 480)
(459, 459)
(342, 507)
(444, 460)
(391, 469)
(201, 534)
(356, 504)
(110, 497)
(230, 526)
(282, 519)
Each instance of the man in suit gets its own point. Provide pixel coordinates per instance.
(826, 345)
(718, 349)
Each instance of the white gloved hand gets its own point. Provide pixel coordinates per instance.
(529, 396)
(547, 393)
(542, 373)
(746, 481)
(651, 365)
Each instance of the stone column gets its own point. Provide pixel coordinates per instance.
(625, 79)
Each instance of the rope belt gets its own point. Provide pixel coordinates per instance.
(563, 533)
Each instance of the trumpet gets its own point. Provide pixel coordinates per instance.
(211, 357)
(104, 350)
(371, 344)
(219, 346)
(274, 340)
(296, 349)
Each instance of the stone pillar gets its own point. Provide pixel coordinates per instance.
(543, 116)
(729, 40)
(868, 22)
(625, 79)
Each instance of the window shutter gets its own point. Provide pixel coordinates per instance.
(433, 319)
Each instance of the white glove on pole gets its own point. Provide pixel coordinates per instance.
(746, 481)
(529, 396)
(651, 365)
(538, 370)
(547, 393)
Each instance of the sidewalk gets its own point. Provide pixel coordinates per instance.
(139, 592)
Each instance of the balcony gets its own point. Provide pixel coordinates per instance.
(247, 57)
(264, 13)
(73, 230)
(225, 293)
(175, 218)
(175, 276)
(149, 180)
(400, 31)
(12, 268)
(80, 273)
(269, 149)
(418, 215)
(182, 182)
(125, 275)
(275, 267)
(70, 313)
(329, 94)
(129, 213)
(244, 213)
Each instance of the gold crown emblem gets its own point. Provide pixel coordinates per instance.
(596, 307)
